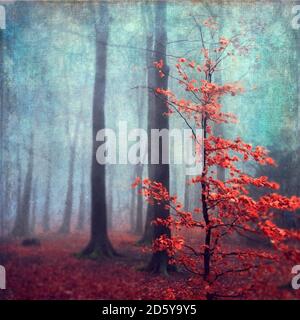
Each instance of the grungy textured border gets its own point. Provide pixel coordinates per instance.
(223, 2)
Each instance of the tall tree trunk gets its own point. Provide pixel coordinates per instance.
(110, 209)
(110, 188)
(19, 187)
(2, 111)
(151, 75)
(160, 172)
(46, 216)
(297, 156)
(81, 215)
(21, 227)
(6, 200)
(33, 209)
(133, 202)
(139, 209)
(138, 229)
(66, 224)
(99, 244)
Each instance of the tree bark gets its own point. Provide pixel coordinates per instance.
(66, 224)
(99, 245)
(82, 206)
(139, 209)
(33, 209)
(133, 210)
(2, 111)
(110, 210)
(138, 229)
(160, 172)
(46, 216)
(151, 74)
(22, 226)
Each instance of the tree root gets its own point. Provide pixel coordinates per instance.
(159, 264)
(98, 251)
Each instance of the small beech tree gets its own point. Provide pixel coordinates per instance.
(206, 240)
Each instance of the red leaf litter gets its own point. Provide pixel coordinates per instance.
(52, 271)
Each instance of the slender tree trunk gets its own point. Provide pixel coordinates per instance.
(66, 224)
(139, 212)
(46, 216)
(160, 172)
(8, 188)
(6, 202)
(133, 209)
(110, 198)
(110, 210)
(138, 229)
(33, 210)
(2, 111)
(19, 187)
(21, 227)
(151, 74)
(205, 213)
(297, 67)
(82, 207)
(99, 244)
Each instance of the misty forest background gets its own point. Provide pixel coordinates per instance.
(48, 67)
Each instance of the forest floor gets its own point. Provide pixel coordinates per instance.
(52, 271)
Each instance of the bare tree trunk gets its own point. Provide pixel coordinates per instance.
(66, 224)
(297, 67)
(110, 187)
(4, 148)
(139, 170)
(99, 245)
(151, 75)
(6, 200)
(33, 209)
(133, 202)
(2, 212)
(82, 207)
(139, 210)
(160, 172)
(21, 227)
(7, 190)
(110, 210)
(19, 186)
(46, 216)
